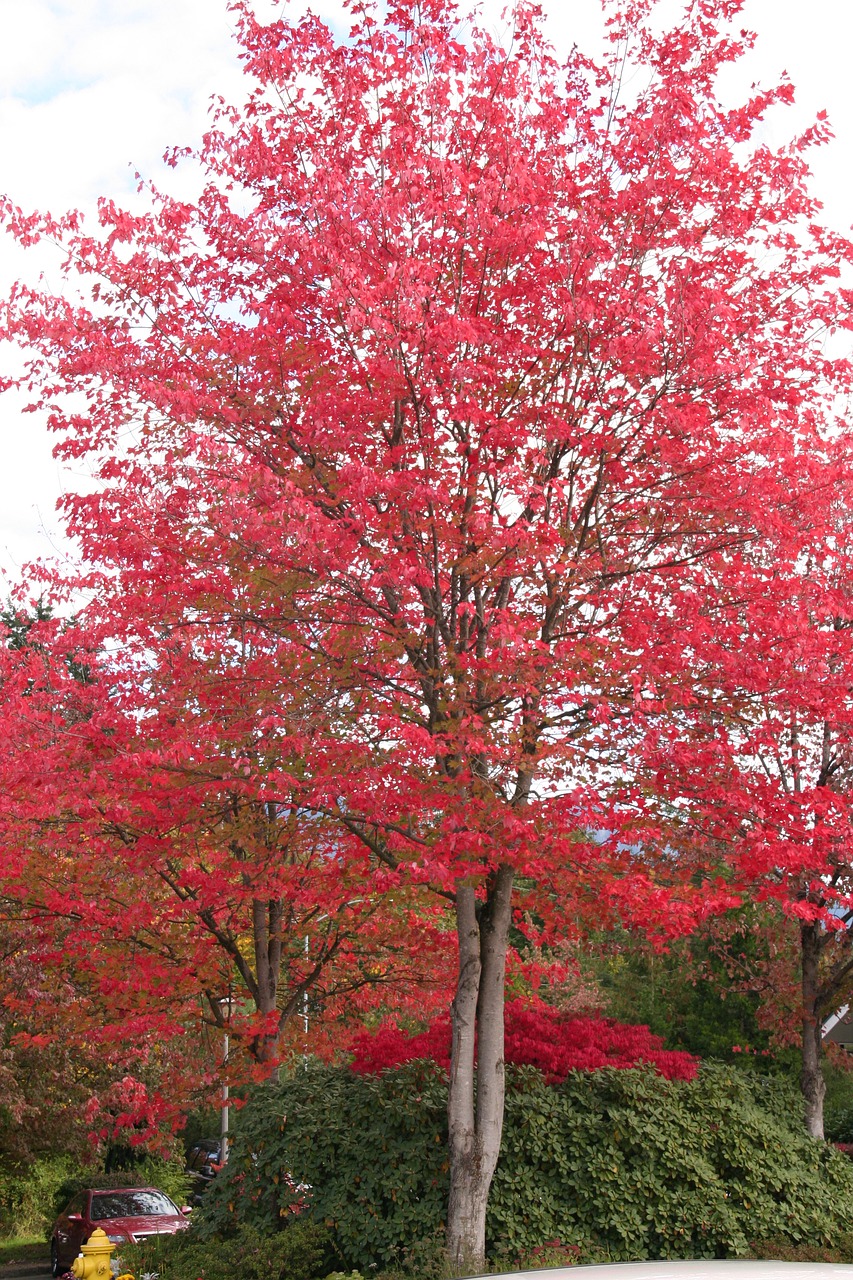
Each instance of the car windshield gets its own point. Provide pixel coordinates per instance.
(130, 1204)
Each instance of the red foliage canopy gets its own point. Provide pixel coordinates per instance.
(539, 1037)
(437, 446)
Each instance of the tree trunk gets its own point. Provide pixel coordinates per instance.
(811, 1079)
(267, 914)
(475, 1105)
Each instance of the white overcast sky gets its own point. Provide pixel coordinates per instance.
(91, 90)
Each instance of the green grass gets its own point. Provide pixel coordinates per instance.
(24, 1249)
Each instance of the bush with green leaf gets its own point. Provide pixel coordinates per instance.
(373, 1150)
(612, 1165)
(838, 1103)
(630, 1166)
(28, 1193)
(299, 1252)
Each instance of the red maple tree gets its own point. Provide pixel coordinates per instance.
(476, 372)
(757, 765)
(168, 880)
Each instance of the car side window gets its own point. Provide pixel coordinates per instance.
(201, 1156)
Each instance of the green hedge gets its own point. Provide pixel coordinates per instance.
(28, 1193)
(300, 1253)
(613, 1165)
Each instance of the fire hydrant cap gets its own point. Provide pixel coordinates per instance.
(97, 1242)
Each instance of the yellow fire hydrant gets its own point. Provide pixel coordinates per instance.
(93, 1261)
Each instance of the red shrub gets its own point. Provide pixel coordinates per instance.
(540, 1037)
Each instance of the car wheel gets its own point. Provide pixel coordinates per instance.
(55, 1269)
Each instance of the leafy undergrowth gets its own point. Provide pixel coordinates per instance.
(28, 1192)
(778, 1249)
(302, 1252)
(616, 1165)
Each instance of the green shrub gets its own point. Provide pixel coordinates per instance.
(613, 1165)
(373, 1150)
(28, 1193)
(838, 1103)
(299, 1252)
(631, 1166)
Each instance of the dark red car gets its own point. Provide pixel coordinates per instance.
(126, 1214)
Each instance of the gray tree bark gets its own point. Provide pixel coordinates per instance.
(476, 1096)
(811, 1079)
